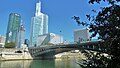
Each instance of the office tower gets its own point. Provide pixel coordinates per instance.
(13, 28)
(21, 36)
(81, 35)
(39, 25)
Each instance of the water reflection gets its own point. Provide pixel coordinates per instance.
(15, 64)
(66, 63)
(57, 63)
(43, 64)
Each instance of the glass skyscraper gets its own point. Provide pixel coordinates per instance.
(39, 25)
(13, 28)
(21, 36)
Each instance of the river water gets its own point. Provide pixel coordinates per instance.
(56, 63)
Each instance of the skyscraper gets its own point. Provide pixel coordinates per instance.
(13, 28)
(21, 36)
(39, 25)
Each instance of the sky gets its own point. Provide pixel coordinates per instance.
(60, 13)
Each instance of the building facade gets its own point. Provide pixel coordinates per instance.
(13, 28)
(81, 35)
(21, 36)
(39, 25)
(2, 41)
(50, 38)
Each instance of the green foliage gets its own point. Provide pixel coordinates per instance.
(10, 45)
(98, 1)
(107, 25)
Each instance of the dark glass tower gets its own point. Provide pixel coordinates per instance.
(13, 28)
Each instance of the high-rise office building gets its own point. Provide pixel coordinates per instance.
(81, 35)
(13, 28)
(39, 25)
(21, 36)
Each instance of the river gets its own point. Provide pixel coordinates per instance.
(56, 63)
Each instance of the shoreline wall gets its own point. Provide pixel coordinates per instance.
(9, 54)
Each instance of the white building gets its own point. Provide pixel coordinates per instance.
(2, 41)
(49, 39)
(39, 25)
(81, 35)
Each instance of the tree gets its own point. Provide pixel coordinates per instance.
(107, 25)
(10, 45)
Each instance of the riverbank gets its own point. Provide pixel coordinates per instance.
(67, 55)
(12, 54)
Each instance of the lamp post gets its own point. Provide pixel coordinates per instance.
(60, 36)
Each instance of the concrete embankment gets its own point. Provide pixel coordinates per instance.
(67, 55)
(11, 54)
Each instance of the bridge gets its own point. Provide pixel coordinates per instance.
(55, 49)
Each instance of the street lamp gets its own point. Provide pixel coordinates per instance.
(60, 36)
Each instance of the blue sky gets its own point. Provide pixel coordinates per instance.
(60, 14)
